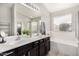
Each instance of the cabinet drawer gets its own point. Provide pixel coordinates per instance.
(41, 41)
(35, 44)
(34, 51)
(10, 53)
(23, 49)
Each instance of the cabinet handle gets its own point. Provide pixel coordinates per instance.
(36, 42)
(29, 53)
(8, 53)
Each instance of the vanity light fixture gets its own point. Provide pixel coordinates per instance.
(32, 6)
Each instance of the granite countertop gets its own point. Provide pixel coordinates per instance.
(11, 44)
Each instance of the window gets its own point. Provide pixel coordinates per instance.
(63, 28)
(63, 23)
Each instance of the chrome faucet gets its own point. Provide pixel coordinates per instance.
(18, 38)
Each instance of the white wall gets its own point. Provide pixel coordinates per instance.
(74, 12)
(45, 16)
(5, 16)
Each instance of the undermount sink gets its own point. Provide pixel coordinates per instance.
(14, 42)
(11, 42)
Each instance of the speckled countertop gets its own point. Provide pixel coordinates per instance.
(11, 44)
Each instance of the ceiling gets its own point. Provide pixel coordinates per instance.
(53, 7)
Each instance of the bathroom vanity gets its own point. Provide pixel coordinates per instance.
(25, 18)
(35, 46)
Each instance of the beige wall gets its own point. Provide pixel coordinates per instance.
(5, 17)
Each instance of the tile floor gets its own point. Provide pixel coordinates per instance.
(53, 53)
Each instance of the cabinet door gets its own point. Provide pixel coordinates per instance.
(42, 49)
(10, 53)
(23, 50)
(20, 51)
(34, 51)
(47, 45)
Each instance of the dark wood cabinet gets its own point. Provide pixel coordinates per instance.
(47, 45)
(34, 51)
(37, 48)
(23, 50)
(12, 52)
(42, 49)
(20, 51)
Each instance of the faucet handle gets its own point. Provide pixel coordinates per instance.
(17, 33)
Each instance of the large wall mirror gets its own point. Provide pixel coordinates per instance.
(35, 26)
(18, 21)
(19, 28)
